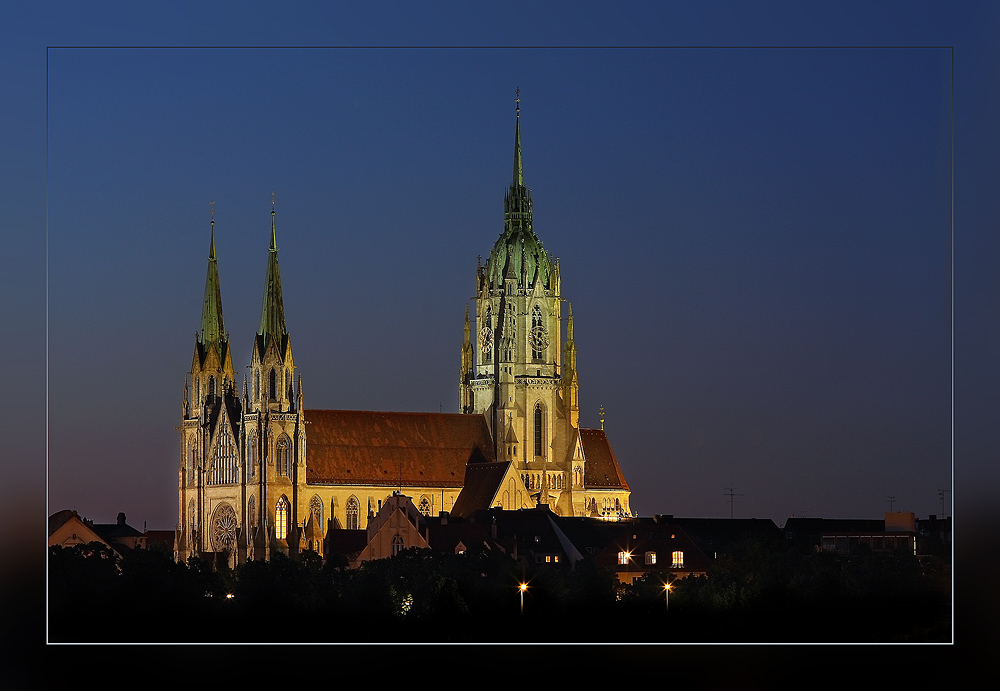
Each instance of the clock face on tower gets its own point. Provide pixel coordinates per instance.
(486, 338)
(539, 338)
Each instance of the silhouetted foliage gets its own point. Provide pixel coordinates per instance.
(753, 593)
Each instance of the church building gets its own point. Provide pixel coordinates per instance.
(260, 473)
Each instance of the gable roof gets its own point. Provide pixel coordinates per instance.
(482, 483)
(354, 447)
(602, 470)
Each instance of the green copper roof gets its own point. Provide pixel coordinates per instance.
(212, 328)
(518, 251)
(272, 313)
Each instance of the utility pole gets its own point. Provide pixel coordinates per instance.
(891, 500)
(941, 493)
(730, 493)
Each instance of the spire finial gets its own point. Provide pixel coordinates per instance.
(211, 250)
(601, 415)
(274, 239)
(518, 168)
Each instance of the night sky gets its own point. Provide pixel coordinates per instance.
(757, 244)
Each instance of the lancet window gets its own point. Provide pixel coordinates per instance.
(224, 467)
(353, 514)
(281, 519)
(283, 456)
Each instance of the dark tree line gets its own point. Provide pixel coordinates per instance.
(752, 594)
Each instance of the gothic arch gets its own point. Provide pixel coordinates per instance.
(283, 455)
(252, 511)
(224, 527)
(353, 513)
(540, 429)
(316, 510)
(282, 517)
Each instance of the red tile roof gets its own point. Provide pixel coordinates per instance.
(410, 449)
(602, 471)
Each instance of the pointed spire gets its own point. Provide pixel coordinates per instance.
(212, 328)
(272, 313)
(518, 170)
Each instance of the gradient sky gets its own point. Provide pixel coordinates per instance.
(756, 242)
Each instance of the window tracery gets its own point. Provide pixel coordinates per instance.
(224, 525)
(353, 513)
(281, 519)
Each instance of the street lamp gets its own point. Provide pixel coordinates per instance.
(522, 588)
(666, 594)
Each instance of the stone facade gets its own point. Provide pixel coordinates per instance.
(259, 473)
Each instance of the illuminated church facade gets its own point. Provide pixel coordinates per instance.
(260, 473)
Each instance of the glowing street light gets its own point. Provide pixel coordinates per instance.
(666, 594)
(522, 587)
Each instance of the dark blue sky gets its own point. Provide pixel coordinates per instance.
(756, 242)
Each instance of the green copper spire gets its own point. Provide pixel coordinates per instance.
(213, 331)
(272, 313)
(518, 171)
(518, 249)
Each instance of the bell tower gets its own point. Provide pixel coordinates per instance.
(518, 381)
(274, 426)
(210, 469)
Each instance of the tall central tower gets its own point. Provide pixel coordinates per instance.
(518, 378)
(274, 427)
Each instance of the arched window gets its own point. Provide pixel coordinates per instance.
(539, 430)
(353, 513)
(211, 386)
(281, 519)
(397, 544)
(272, 391)
(224, 526)
(252, 452)
(425, 506)
(191, 517)
(283, 456)
(316, 510)
(252, 511)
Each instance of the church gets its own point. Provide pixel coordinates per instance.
(260, 473)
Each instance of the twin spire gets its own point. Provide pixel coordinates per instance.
(213, 330)
(272, 315)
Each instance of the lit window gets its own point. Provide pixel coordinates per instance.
(650, 558)
(677, 559)
(623, 558)
(281, 519)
